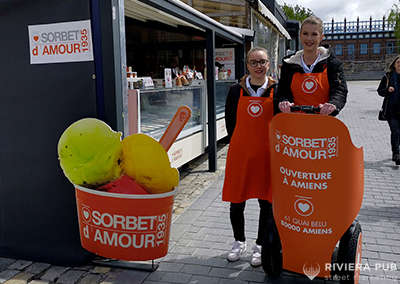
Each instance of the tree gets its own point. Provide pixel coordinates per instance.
(297, 12)
(394, 19)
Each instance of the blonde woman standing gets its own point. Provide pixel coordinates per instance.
(312, 76)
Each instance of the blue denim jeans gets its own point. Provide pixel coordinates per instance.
(394, 125)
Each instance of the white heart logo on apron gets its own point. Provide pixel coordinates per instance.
(255, 109)
(309, 85)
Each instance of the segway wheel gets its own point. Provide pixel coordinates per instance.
(349, 254)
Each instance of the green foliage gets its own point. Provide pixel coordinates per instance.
(394, 18)
(297, 12)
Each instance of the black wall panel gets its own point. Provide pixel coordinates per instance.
(37, 102)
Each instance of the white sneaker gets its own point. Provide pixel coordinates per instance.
(238, 248)
(256, 257)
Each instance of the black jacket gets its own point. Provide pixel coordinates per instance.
(232, 101)
(391, 99)
(337, 83)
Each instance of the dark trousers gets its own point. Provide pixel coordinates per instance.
(237, 220)
(394, 124)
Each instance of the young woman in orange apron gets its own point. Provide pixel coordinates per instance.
(312, 76)
(249, 109)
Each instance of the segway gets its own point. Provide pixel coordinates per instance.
(317, 190)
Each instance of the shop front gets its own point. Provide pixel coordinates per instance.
(167, 66)
(63, 61)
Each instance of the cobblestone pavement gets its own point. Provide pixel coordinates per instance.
(201, 233)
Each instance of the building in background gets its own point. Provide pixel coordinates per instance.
(264, 17)
(365, 47)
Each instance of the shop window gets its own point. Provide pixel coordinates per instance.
(360, 36)
(390, 47)
(348, 36)
(339, 49)
(157, 106)
(350, 49)
(364, 48)
(354, 36)
(341, 37)
(376, 48)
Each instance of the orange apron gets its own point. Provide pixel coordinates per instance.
(310, 88)
(247, 173)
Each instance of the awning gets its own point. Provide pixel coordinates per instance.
(175, 13)
(142, 12)
(267, 13)
(245, 32)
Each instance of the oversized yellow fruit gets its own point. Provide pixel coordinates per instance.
(146, 161)
(89, 152)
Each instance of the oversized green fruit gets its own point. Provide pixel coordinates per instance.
(89, 152)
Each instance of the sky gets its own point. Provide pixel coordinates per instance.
(349, 9)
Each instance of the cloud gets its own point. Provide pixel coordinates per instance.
(340, 9)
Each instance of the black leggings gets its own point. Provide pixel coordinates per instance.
(237, 220)
(394, 124)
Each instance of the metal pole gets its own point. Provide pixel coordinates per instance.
(211, 112)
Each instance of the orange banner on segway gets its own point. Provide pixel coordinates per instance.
(317, 183)
(124, 226)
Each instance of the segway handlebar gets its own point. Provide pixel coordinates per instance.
(305, 108)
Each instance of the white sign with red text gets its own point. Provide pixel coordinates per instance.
(60, 42)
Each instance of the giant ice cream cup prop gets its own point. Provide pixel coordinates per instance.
(317, 190)
(115, 224)
(124, 226)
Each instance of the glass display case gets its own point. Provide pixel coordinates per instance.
(222, 89)
(158, 106)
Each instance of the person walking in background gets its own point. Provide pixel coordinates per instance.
(312, 76)
(389, 89)
(248, 111)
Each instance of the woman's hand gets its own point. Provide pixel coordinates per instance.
(390, 89)
(327, 108)
(285, 106)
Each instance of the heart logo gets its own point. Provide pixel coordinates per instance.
(303, 207)
(255, 109)
(35, 38)
(86, 214)
(309, 85)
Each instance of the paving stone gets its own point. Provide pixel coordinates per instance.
(199, 279)
(100, 269)
(90, 279)
(20, 278)
(175, 277)
(20, 264)
(5, 262)
(7, 274)
(37, 267)
(71, 276)
(196, 269)
(53, 273)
